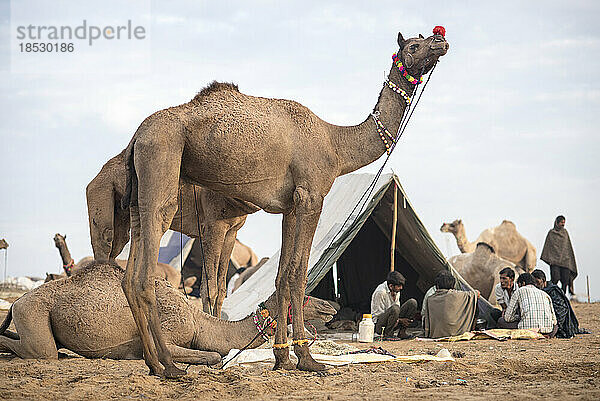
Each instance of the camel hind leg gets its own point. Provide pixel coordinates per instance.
(36, 340)
(157, 160)
(308, 210)
(530, 258)
(224, 257)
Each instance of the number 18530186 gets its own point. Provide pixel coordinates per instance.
(46, 47)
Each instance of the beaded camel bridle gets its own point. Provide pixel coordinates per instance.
(388, 139)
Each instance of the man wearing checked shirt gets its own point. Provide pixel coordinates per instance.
(531, 307)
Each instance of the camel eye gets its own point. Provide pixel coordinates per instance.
(414, 47)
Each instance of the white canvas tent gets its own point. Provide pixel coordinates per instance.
(345, 234)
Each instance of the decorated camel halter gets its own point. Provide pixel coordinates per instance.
(387, 138)
(69, 267)
(263, 321)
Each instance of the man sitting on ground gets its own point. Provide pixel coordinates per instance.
(449, 312)
(568, 325)
(504, 291)
(387, 313)
(531, 308)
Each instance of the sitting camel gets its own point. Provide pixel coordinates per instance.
(60, 315)
(246, 274)
(167, 272)
(219, 217)
(504, 239)
(481, 269)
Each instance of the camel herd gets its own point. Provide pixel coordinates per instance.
(480, 261)
(201, 168)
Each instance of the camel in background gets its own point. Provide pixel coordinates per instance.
(69, 265)
(504, 239)
(272, 153)
(219, 217)
(166, 271)
(481, 269)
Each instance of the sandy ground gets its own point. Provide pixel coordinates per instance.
(525, 370)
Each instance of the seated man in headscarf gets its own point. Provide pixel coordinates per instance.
(567, 322)
(449, 312)
(387, 312)
(531, 308)
(558, 253)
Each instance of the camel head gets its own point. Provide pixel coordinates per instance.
(54, 276)
(317, 308)
(454, 227)
(314, 308)
(59, 239)
(419, 55)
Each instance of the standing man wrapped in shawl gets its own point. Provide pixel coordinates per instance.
(558, 253)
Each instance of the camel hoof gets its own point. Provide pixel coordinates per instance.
(306, 361)
(310, 365)
(282, 359)
(173, 372)
(159, 372)
(285, 365)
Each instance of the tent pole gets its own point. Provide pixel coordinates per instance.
(395, 222)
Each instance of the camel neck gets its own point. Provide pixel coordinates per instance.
(462, 242)
(222, 336)
(359, 145)
(64, 253)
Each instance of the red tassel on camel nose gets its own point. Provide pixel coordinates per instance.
(439, 30)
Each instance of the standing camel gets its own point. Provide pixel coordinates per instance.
(275, 154)
(219, 217)
(508, 243)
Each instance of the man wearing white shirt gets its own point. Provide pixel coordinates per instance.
(387, 312)
(503, 292)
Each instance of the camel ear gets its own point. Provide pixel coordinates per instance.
(421, 36)
(459, 221)
(401, 41)
(65, 236)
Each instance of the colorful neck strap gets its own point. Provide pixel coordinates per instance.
(398, 90)
(405, 73)
(384, 134)
(267, 321)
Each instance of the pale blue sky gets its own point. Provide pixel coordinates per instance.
(505, 130)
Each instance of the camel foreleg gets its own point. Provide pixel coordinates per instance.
(280, 348)
(308, 210)
(193, 356)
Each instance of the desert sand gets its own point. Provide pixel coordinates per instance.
(524, 370)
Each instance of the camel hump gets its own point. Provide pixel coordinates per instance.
(215, 86)
(484, 246)
(508, 223)
(96, 267)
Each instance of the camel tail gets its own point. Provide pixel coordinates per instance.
(131, 186)
(6, 323)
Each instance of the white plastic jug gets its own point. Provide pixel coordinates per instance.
(366, 329)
